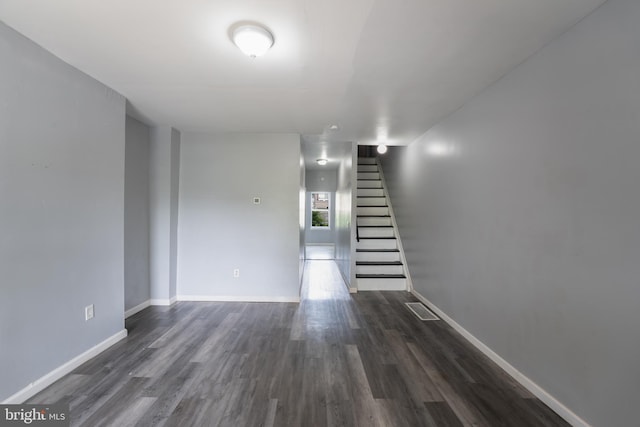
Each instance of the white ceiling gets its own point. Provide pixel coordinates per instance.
(381, 69)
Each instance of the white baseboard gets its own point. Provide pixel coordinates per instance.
(226, 298)
(53, 376)
(553, 403)
(136, 309)
(163, 301)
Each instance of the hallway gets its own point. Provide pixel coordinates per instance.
(333, 360)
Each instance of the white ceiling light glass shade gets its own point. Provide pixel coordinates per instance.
(252, 40)
(322, 162)
(382, 148)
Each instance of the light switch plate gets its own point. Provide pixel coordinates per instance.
(88, 312)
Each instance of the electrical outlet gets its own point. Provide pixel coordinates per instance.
(88, 312)
(236, 272)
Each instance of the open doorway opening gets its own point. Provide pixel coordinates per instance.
(320, 230)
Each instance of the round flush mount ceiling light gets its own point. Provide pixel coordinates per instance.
(322, 162)
(382, 148)
(252, 40)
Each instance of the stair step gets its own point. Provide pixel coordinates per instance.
(370, 192)
(372, 211)
(371, 201)
(378, 263)
(379, 269)
(377, 243)
(367, 160)
(387, 284)
(367, 183)
(376, 250)
(367, 168)
(378, 256)
(369, 175)
(374, 221)
(380, 276)
(369, 231)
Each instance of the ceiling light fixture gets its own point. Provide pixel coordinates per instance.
(322, 162)
(382, 148)
(252, 40)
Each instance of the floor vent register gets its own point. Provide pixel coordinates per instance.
(422, 312)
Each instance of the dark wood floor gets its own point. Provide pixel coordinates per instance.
(334, 359)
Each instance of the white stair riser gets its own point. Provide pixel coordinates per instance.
(372, 201)
(370, 192)
(376, 232)
(369, 184)
(367, 168)
(372, 220)
(375, 211)
(377, 244)
(379, 269)
(382, 284)
(378, 256)
(366, 160)
(368, 175)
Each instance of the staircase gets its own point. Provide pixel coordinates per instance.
(379, 265)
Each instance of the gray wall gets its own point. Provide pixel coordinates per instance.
(345, 212)
(164, 174)
(322, 180)
(174, 189)
(62, 151)
(525, 228)
(302, 191)
(136, 214)
(220, 229)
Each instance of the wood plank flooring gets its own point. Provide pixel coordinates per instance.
(333, 360)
